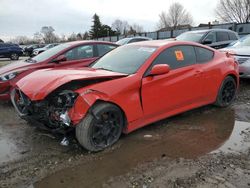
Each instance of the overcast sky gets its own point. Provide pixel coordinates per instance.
(25, 17)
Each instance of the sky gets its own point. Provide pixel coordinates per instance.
(25, 17)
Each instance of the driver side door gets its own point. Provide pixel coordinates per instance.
(173, 91)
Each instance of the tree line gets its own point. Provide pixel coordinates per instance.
(237, 11)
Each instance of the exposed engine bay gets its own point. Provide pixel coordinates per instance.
(53, 110)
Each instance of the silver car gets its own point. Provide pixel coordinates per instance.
(241, 51)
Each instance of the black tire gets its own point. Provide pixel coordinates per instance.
(101, 127)
(14, 56)
(227, 92)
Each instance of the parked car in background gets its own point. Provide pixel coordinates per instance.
(12, 51)
(72, 54)
(130, 87)
(28, 50)
(215, 38)
(40, 50)
(132, 40)
(241, 51)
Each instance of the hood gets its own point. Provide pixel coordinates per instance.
(244, 50)
(15, 67)
(39, 84)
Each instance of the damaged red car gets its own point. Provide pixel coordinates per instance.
(71, 54)
(128, 88)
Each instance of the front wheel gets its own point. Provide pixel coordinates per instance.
(101, 127)
(227, 92)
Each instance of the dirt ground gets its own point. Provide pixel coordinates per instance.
(205, 147)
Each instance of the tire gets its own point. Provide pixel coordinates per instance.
(101, 128)
(227, 92)
(14, 56)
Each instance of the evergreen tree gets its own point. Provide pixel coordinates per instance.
(107, 31)
(96, 28)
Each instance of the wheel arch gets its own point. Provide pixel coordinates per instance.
(236, 79)
(98, 101)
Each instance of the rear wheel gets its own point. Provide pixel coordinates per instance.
(14, 56)
(226, 93)
(101, 128)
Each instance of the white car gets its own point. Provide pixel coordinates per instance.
(241, 51)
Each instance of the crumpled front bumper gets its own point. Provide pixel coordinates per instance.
(5, 88)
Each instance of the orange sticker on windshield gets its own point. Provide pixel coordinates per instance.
(179, 55)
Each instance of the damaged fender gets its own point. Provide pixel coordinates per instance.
(83, 103)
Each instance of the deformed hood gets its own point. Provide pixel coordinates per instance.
(39, 84)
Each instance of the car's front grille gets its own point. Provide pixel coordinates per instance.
(242, 59)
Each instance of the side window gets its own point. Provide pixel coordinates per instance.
(104, 48)
(80, 52)
(211, 36)
(222, 36)
(177, 57)
(203, 55)
(232, 36)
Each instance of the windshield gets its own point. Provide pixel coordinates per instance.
(123, 41)
(48, 53)
(126, 59)
(193, 37)
(244, 41)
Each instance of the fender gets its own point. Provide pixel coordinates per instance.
(83, 103)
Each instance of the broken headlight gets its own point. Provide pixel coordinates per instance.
(8, 76)
(59, 105)
(64, 99)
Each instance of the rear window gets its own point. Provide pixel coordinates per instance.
(203, 55)
(222, 36)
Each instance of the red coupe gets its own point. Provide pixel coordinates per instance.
(128, 88)
(72, 54)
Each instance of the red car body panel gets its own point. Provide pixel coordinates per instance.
(51, 79)
(24, 68)
(143, 100)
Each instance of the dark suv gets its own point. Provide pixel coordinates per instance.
(215, 38)
(29, 49)
(12, 51)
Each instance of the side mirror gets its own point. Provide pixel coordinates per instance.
(207, 41)
(159, 69)
(59, 59)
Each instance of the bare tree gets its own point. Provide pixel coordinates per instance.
(86, 36)
(48, 34)
(137, 28)
(121, 27)
(233, 11)
(38, 37)
(21, 40)
(175, 17)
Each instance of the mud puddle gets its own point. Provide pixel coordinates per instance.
(8, 149)
(189, 135)
(9, 131)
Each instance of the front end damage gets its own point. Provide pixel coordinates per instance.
(53, 112)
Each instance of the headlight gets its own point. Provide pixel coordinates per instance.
(242, 59)
(9, 76)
